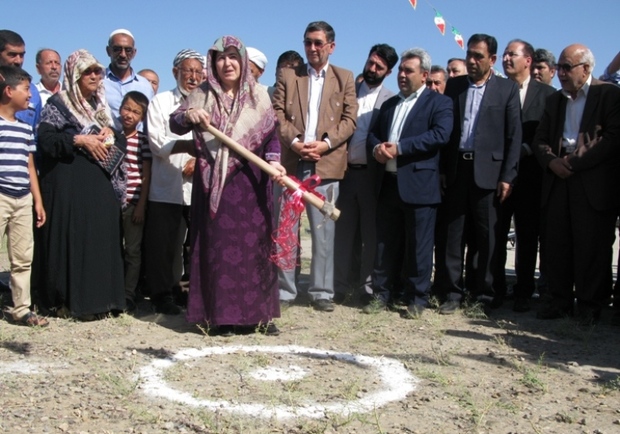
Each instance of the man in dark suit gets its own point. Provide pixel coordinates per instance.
(316, 108)
(524, 202)
(577, 143)
(480, 165)
(354, 247)
(410, 130)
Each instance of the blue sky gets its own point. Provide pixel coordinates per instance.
(163, 28)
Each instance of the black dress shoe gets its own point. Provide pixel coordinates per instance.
(323, 305)
(497, 302)
(521, 305)
(268, 329)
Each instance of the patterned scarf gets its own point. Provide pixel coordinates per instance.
(248, 119)
(75, 65)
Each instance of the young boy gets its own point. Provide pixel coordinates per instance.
(19, 190)
(138, 164)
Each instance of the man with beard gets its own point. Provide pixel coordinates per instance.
(355, 229)
(171, 184)
(410, 130)
(120, 77)
(48, 67)
(12, 52)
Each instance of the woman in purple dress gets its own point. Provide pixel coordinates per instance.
(233, 283)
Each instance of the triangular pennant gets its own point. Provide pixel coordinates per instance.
(414, 3)
(440, 23)
(458, 38)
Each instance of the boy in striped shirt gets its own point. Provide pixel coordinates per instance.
(19, 190)
(138, 165)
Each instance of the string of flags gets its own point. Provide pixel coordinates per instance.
(440, 23)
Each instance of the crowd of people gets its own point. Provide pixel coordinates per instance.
(111, 191)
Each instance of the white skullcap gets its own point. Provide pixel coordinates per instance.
(256, 57)
(121, 32)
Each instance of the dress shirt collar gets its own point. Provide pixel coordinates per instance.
(480, 86)
(583, 91)
(525, 83)
(413, 96)
(111, 76)
(364, 89)
(178, 96)
(318, 74)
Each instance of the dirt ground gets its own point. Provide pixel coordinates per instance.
(508, 373)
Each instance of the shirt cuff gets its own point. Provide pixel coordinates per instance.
(329, 143)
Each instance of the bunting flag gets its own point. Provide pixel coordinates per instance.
(440, 23)
(458, 38)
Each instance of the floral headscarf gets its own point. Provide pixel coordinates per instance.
(75, 65)
(250, 121)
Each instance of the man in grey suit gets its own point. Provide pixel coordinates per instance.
(480, 166)
(355, 229)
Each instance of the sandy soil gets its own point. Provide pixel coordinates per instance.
(508, 373)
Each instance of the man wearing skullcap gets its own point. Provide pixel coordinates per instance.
(120, 77)
(171, 184)
(258, 62)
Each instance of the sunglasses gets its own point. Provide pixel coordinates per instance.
(92, 70)
(567, 67)
(316, 42)
(116, 49)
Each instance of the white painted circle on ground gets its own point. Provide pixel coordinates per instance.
(396, 382)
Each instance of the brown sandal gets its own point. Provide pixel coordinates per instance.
(31, 319)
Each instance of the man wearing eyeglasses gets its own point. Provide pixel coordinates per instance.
(524, 202)
(120, 77)
(480, 166)
(577, 144)
(171, 185)
(317, 111)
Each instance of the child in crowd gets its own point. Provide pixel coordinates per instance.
(138, 165)
(19, 190)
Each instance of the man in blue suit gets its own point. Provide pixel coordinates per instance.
(480, 166)
(411, 128)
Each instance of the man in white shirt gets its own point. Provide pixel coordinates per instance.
(524, 202)
(411, 128)
(171, 184)
(576, 143)
(316, 108)
(354, 244)
(49, 68)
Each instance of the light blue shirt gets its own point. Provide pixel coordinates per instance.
(115, 90)
(470, 117)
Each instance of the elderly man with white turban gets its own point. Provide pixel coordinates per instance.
(171, 185)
